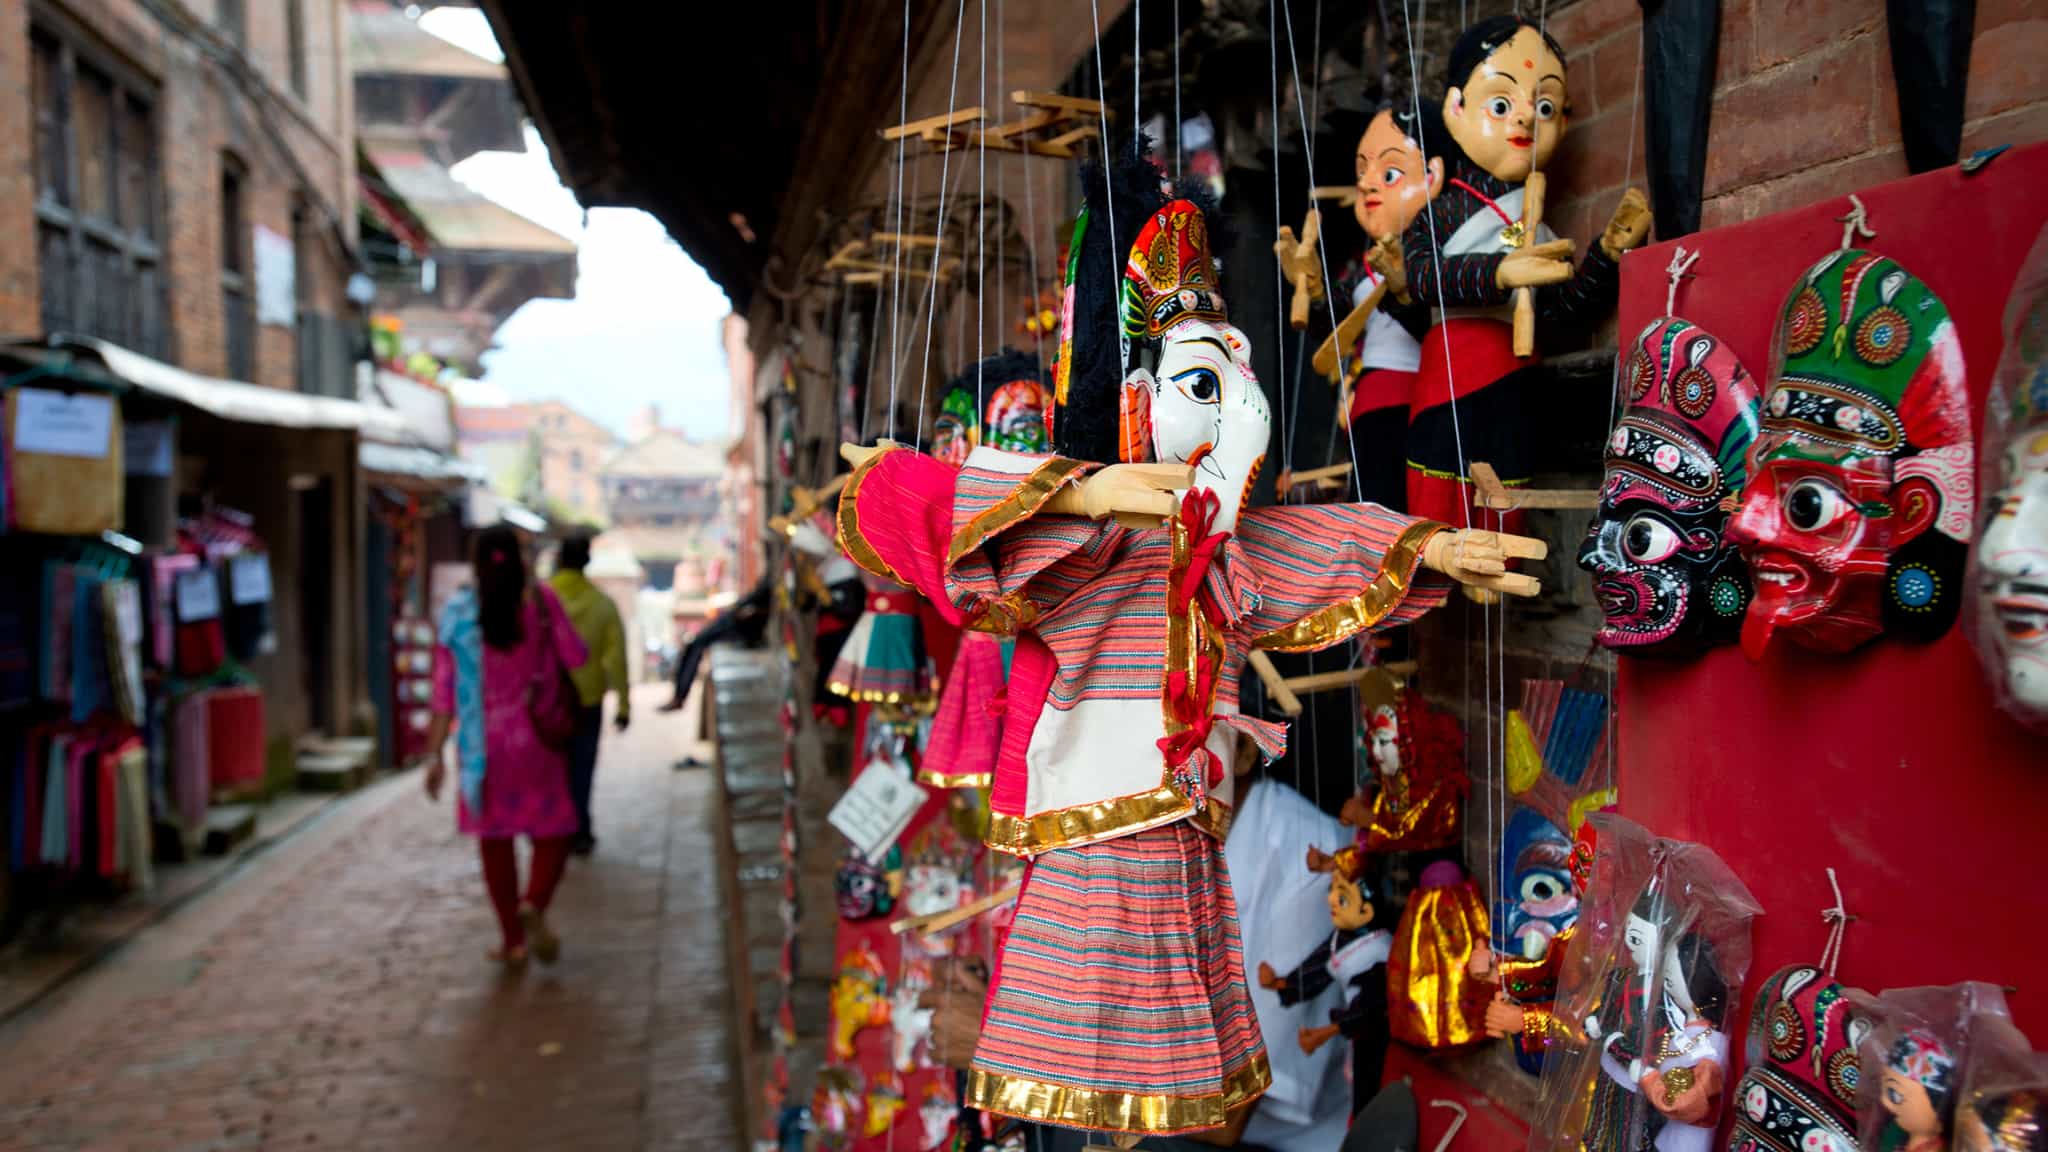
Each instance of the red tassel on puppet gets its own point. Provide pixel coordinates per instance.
(1432, 1000)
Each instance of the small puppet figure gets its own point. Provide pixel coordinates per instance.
(1917, 1094)
(883, 660)
(1524, 1008)
(1395, 183)
(1432, 999)
(860, 999)
(938, 1112)
(864, 888)
(910, 1023)
(1659, 1037)
(1017, 403)
(1417, 793)
(1505, 110)
(1670, 581)
(1856, 513)
(885, 1102)
(836, 1105)
(1356, 956)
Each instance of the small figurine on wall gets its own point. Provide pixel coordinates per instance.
(1856, 514)
(1916, 1094)
(860, 1000)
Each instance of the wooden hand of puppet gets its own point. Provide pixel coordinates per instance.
(1629, 226)
(1537, 265)
(1138, 495)
(1478, 559)
(1386, 259)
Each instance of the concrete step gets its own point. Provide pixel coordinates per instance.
(332, 773)
(362, 749)
(227, 826)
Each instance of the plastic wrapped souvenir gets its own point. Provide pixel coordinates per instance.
(1804, 1068)
(1923, 1040)
(1127, 787)
(910, 1023)
(935, 880)
(1856, 515)
(1669, 579)
(1639, 1056)
(1525, 1005)
(1505, 110)
(860, 999)
(1394, 185)
(2011, 586)
(1432, 999)
(2004, 1102)
(836, 1106)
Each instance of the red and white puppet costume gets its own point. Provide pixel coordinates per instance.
(1120, 1001)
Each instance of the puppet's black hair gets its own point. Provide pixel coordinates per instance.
(1007, 365)
(1478, 42)
(1085, 427)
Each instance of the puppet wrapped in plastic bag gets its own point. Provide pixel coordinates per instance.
(1923, 1041)
(2003, 1106)
(1641, 1058)
(2011, 585)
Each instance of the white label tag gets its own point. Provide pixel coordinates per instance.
(877, 807)
(198, 595)
(146, 448)
(249, 578)
(54, 424)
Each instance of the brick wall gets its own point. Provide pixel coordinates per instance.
(297, 150)
(1804, 105)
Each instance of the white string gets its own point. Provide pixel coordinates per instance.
(1680, 268)
(1635, 103)
(1856, 223)
(1279, 268)
(1837, 919)
(981, 231)
(1177, 168)
(1031, 253)
(896, 258)
(1137, 67)
(1002, 199)
(1117, 256)
(1436, 253)
(924, 370)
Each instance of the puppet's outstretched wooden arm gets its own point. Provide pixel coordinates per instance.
(1138, 495)
(1479, 558)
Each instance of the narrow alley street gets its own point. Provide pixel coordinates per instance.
(335, 993)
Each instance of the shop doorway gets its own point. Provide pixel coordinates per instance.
(316, 598)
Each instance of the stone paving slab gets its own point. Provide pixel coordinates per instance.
(335, 994)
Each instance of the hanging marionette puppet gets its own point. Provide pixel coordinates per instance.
(1356, 957)
(1670, 580)
(967, 729)
(1523, 1007)
(1378, 370)
(1856, 516)
(1414, 801)
(1132, 639)
(1471, 255)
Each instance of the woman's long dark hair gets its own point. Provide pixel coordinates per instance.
(500, 562)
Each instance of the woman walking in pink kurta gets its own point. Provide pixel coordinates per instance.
(498, 645)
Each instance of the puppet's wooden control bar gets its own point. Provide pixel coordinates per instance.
(940, 921)
(1525, 298)
(1491, 493)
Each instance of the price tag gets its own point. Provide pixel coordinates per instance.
(249, 578)
(56, 424)
(198, 595)
(877, 807)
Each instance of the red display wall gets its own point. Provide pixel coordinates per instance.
(1890, 764)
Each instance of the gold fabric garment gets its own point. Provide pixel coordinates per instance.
(1432, 1001)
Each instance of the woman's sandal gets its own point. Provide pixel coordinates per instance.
(546, 946)
(509, 957)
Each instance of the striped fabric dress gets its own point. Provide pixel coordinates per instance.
(1120, 1001)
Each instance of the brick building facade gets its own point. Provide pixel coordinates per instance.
(143, 144)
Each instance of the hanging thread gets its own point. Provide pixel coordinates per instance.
(1837, 919)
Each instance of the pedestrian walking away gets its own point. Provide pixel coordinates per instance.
(596, 620)
(498, 686)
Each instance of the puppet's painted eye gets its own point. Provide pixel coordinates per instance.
(1546, 108)
(1648, 540)
(1499, 107)
(1200, 384)
(1814, 504)
(1391, 177)
(1541, 886)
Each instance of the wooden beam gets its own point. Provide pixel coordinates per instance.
(1072, 105)
(1491, 493)
(946, 120)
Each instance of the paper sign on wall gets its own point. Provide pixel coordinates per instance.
(877, 807)
(146, 447)
(57, 424)
(198, 595)
(249, 578)
(277, 282)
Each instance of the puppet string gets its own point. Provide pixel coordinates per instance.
(1279, 269)
(981, 226)
(1175, 7)
(1137, 66)
(896, 258)
(1117, 257)
(1002, 199)
(1635, 102)
(1436, 258)
(924, 369)
(1837, 919)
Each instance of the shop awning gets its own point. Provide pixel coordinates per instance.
(230, 399)
(411, 465)
(428, 414)
(459, 220)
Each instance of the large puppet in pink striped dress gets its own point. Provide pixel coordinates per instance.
(1120, 1001)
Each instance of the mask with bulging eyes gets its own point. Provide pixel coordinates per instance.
(1668, 579)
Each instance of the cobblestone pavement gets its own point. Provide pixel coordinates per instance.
(335, 993)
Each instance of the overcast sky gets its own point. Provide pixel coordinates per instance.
(644, 326)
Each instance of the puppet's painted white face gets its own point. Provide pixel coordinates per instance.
(937, 1113)
(2013, 554)
(1208, 409)
(1386, 741)
(1641, 937)
(928, 890)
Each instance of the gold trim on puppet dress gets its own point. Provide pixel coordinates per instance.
(1340, 622)
(951, 780)
(1030, 494)
(1104, 820)
(1158, 1115)
(851, 541)
(918, 702)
